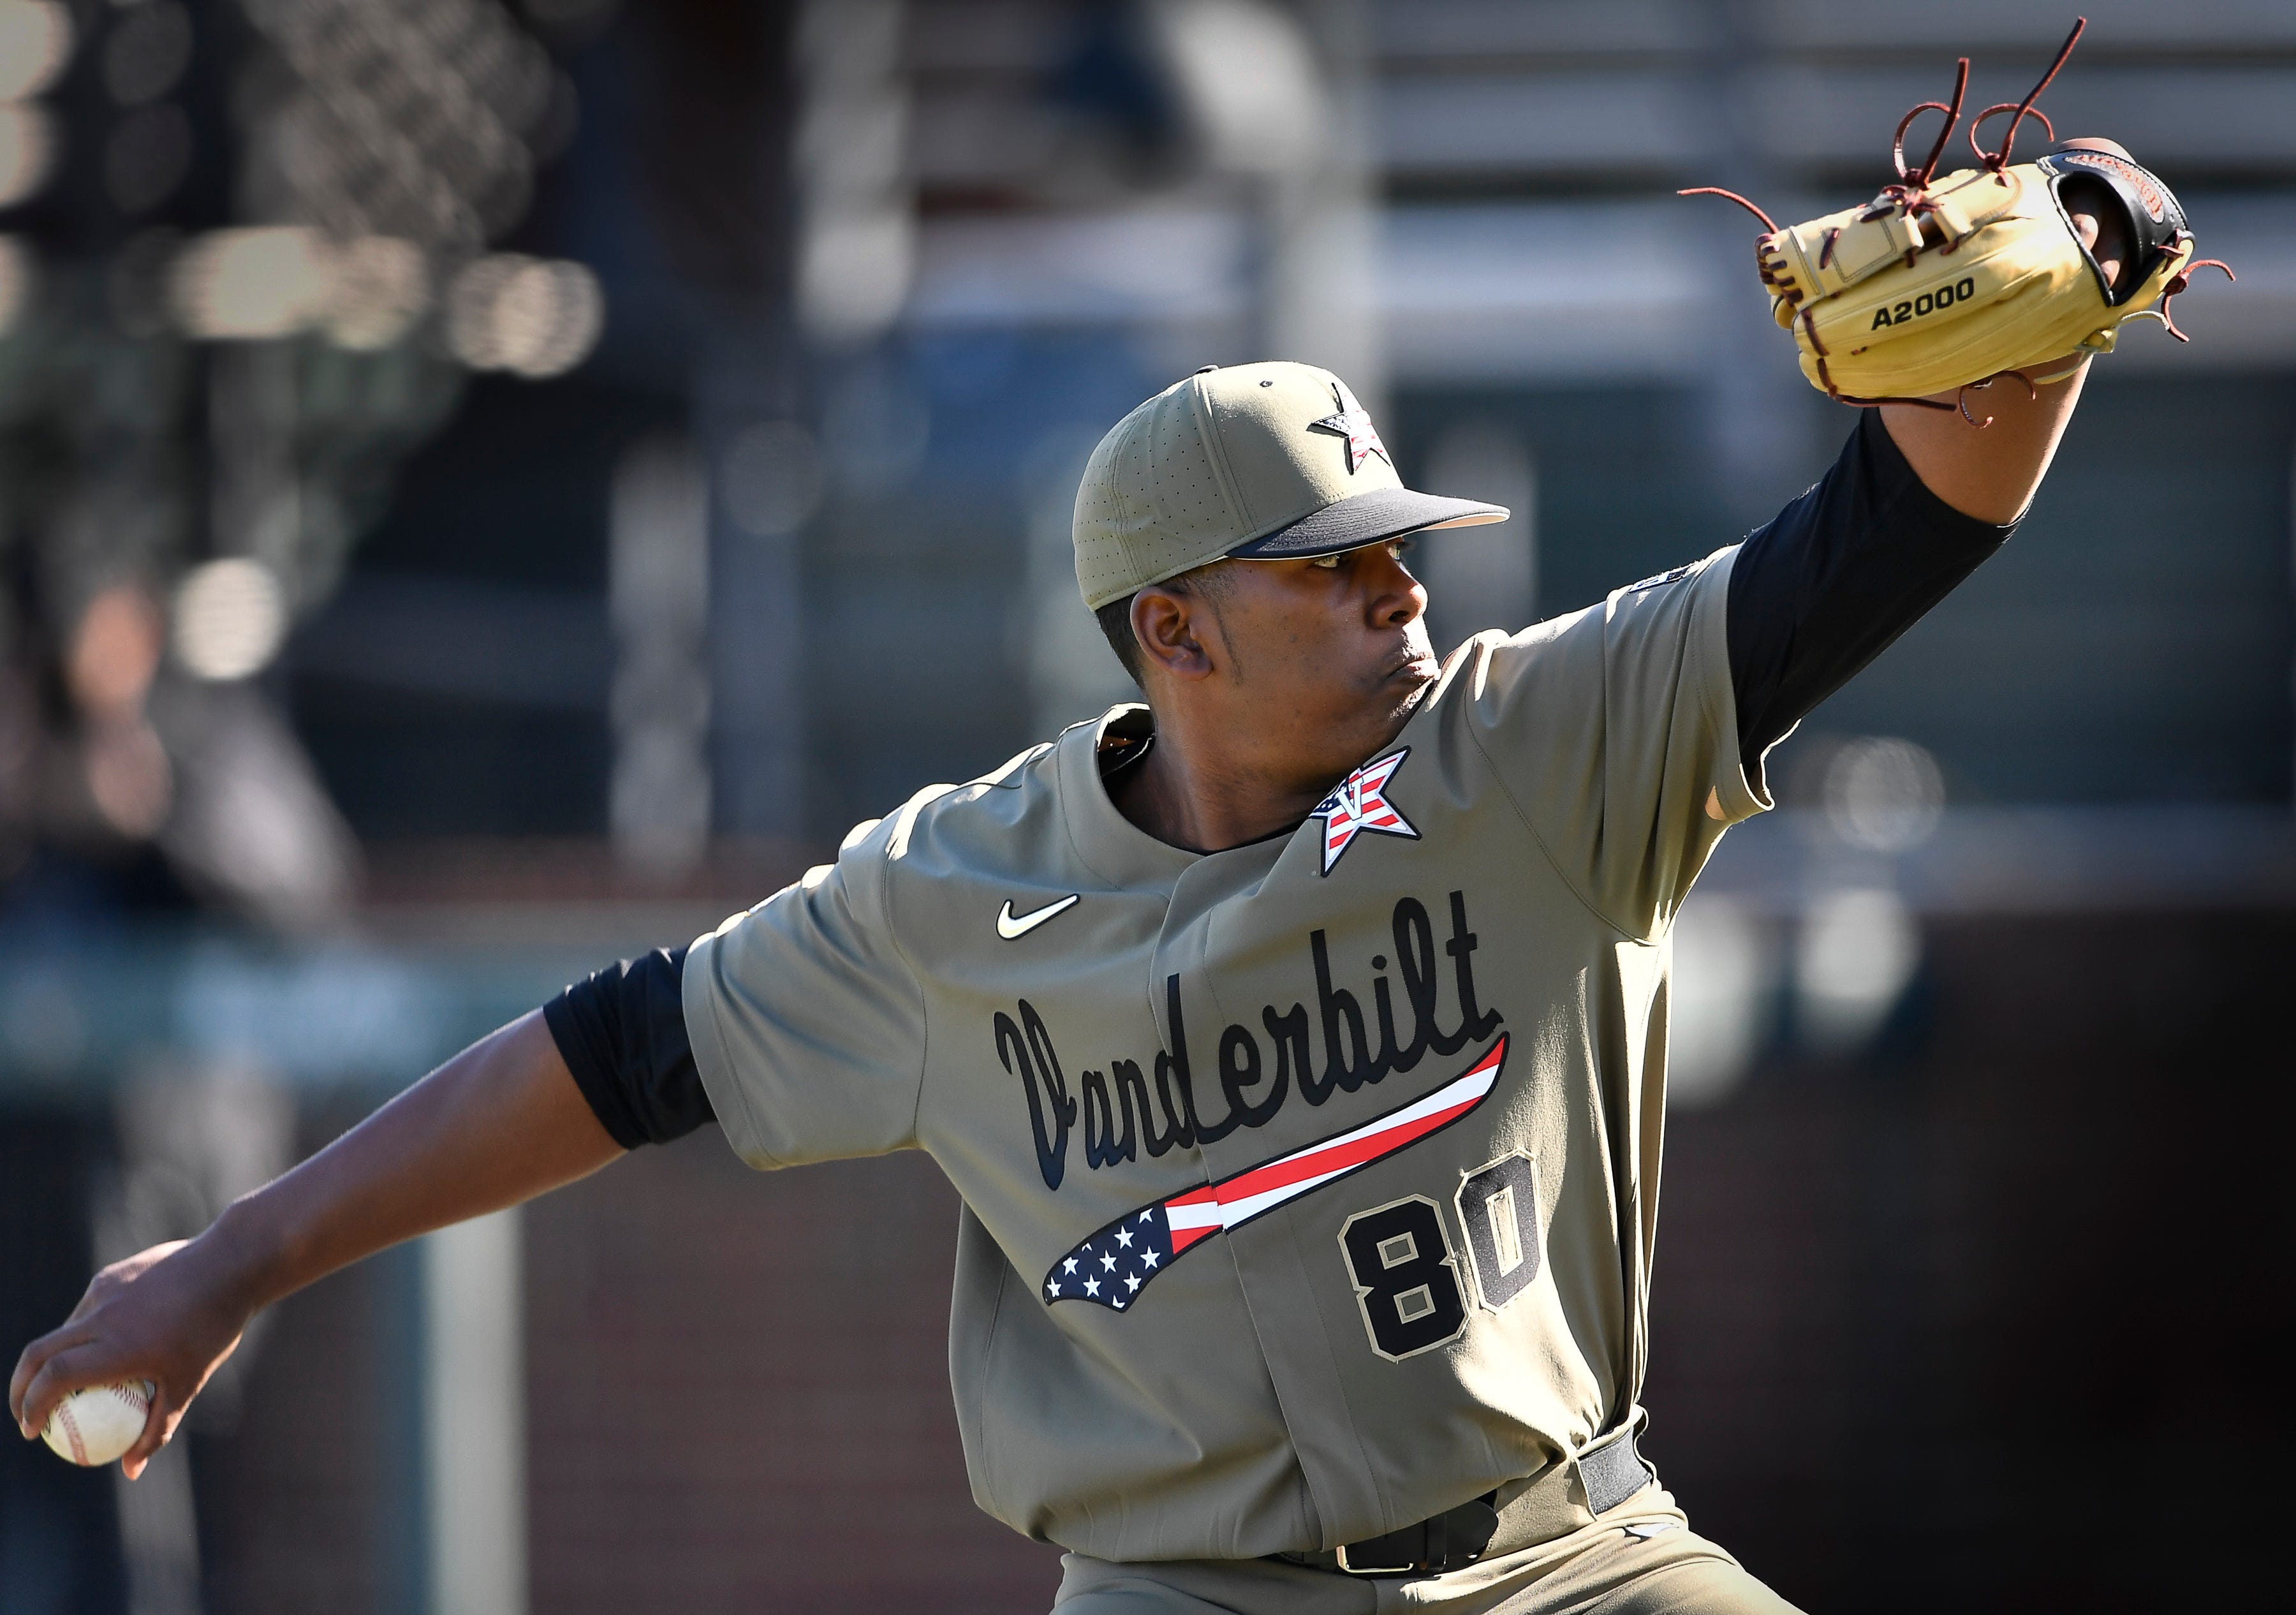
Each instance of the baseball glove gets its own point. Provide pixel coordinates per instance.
(1944, 285)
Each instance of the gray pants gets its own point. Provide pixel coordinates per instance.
(1640, 1558)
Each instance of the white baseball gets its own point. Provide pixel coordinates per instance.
(97, 1425)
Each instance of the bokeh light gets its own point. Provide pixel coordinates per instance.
(533, 316)
(280, 279)
(379, 287)
(1883, 793)
(114, 651)
(406, 121)
(266, 282)
(230, 618)
(35, 41)
(1251, 77)
(1726, 971)
(129, 778)
(1859, 948)
(27, 151)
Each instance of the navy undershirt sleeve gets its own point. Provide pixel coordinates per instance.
(1831, 582)
(622, 1033)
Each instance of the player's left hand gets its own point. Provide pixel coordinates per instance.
(2102, 227)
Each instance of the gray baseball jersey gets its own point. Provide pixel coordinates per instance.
(1310, 1186)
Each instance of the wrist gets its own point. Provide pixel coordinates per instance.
(242, 1257)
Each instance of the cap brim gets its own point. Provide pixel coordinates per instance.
(1368, 518)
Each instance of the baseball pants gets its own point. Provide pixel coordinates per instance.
(1642, 1559)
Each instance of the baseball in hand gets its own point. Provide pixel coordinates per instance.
(97, 1425)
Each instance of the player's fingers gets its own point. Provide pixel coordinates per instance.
(28, 1364)
(160, 1421)
(68, 1369)
(34, 1359)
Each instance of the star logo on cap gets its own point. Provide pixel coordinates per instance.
(1353, 422)
(1359, 803)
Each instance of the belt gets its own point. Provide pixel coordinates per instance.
(1608, 1473)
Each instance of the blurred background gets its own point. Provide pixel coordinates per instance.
(490, 485)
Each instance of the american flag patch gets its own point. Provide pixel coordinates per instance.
(1117, 1262)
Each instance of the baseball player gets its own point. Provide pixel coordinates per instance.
(1296, 1041)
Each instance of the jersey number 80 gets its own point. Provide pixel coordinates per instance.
(1405, 1272)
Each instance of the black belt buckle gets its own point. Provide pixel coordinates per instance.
(1353, 1568)
(1448, 1541)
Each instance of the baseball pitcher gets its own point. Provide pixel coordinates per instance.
(1297, 1041)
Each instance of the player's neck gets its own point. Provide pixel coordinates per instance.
(1206, 792)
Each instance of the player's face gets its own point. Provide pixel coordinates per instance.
(1327, 656)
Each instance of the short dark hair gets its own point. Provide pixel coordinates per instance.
(1116, 622)
(1205, 582)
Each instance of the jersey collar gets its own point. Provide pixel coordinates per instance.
(1111, 846)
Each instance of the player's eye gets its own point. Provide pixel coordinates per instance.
(1396, 548)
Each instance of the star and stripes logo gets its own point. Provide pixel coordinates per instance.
(1119, 1262)
(1360, 803)
(1352, 423)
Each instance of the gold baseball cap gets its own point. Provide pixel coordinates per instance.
(1265, 461)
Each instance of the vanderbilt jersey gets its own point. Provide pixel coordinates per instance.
(1310, 1186)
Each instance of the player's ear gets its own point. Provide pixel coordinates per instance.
(1166, 628)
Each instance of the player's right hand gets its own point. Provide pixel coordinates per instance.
(161, 1315)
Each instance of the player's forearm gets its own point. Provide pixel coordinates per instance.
(500, 1123)
(1990, 473)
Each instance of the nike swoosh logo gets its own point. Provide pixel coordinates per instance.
(1012, 927)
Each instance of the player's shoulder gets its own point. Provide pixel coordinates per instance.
(1674, 590)
(1498, 656)
(1683, 580)
(1010, 789)
(1573, 655)
(1005, 818)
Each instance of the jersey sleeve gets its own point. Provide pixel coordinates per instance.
(807, 1026)
(1615, 732)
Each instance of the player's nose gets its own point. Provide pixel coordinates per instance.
(1396, 599)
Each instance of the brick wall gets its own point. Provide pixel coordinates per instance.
(739, 1388)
